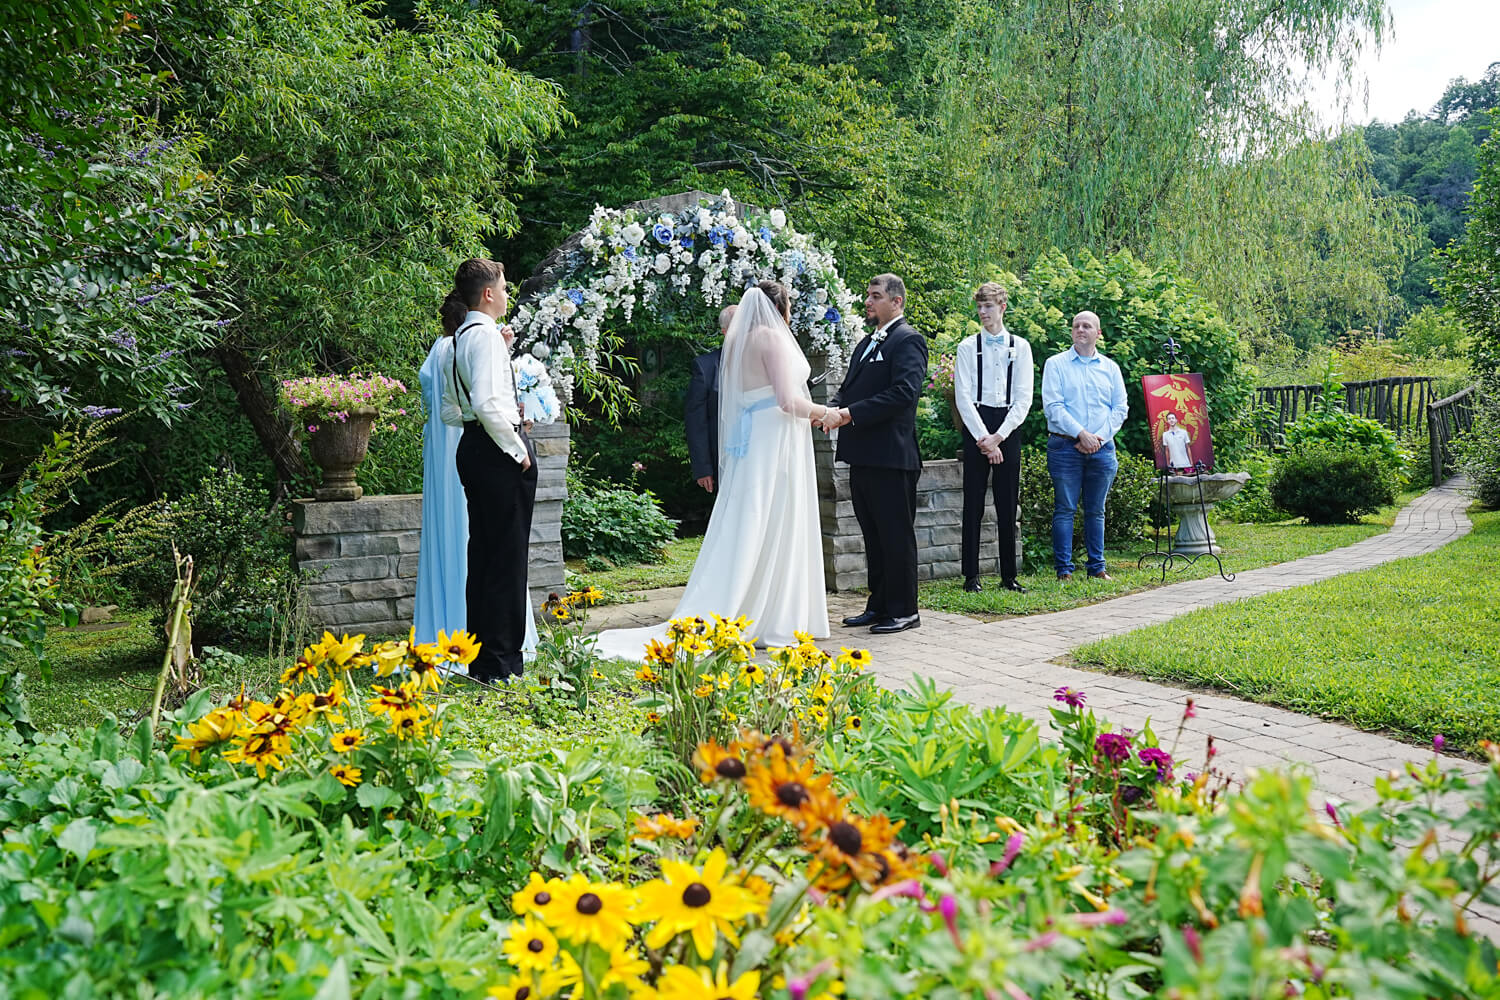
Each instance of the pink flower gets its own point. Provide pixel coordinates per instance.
(1191, 711)
(1115, 746)
(1193, 941)
(939, 862)
(910, 888)
(1012, 848)
(1100, 919)
(1069, 697)
(948, 907)
(1046, 940)
(1438, 743)
(1333, 814)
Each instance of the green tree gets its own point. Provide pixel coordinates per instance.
(1472, 284)
(384, 155)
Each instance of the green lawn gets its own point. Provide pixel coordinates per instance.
(1247, 546)
(1410, 647)
(621, 584)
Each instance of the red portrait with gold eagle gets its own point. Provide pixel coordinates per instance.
(1178, 414)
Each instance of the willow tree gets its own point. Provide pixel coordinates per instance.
(1172, 128)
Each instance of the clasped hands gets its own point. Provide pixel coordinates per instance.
(831, 418)
(989, 447)
(1088, 443)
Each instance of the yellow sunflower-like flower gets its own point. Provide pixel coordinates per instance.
(658, 652)
(538, 896)
(559, 613)
(818, 716)
(460, 647)
(751, 672)
(663, 825)
(714, 762)
(410, 725)
(792, 790)
(347, 775)
(703, 904)
(678, 982)
(653, 718)
(855, 659)
(347, 740)
(694, 645)
(392, 701)
(591, 595)
(388, 657)
(854, 724)
(305, 667)
(312, 703)
(703, 690)
(219, 726)
(262, 749)
(680, 628)
(592, 912)
(646, 675)
(426, 674)
(530, 946)
(851, 848)
(341, 650)
(626, 967)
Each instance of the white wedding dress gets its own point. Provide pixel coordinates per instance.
(763, 555)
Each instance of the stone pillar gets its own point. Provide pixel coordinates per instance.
(364, 552)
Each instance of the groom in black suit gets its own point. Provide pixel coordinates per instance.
(877, 409)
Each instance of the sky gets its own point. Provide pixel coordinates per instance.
(1431, 42)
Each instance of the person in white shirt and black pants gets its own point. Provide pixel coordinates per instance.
(992, 390)
(497, 466)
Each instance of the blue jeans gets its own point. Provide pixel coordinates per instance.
(1075, 477)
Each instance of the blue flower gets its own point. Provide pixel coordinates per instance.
(795, 259)
(630, 253)
(576, 296)
(716, 236)
(765, 233)
(831, 316)
(687, 242)
(663, 234)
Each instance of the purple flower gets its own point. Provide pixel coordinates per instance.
(100, 412)
(948, 907)
(1333, 814)
(1012, 848)
(1191, 938)
(1131, 794)
(1438, 743)
(1162, 760)
(1069, 697)
(1114, 746)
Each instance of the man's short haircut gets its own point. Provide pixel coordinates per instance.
(893, 286)
(725, 315)
(992, 291)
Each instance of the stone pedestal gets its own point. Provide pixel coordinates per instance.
(1194, 536)
(364, 552)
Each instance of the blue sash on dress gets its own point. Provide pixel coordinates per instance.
(739, 439)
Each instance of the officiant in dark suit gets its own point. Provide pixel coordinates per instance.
(700, 416)
(877, 414)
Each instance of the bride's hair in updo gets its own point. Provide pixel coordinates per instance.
(776, 292)
(472, 277)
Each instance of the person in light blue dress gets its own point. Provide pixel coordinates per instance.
(442, 560)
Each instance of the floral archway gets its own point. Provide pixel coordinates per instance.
(648, 256)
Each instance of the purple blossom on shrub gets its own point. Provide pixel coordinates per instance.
(1114, 746)
(100, 412)
(123, 339)
(1069, 697)
(1160, 758)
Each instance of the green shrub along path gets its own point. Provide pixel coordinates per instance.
(1409, 647)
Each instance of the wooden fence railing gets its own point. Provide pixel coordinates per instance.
(1400, 402)
(1446, 420)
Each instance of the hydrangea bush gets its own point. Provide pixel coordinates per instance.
(629, 259)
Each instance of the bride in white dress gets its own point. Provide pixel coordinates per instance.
(763, 555)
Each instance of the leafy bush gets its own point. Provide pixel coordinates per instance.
(937, 438)
(1253, 503)
(1127, 508)
(605, 521)
(241, 557)
(1333, 483)
(1339, 427)
(1479, 449)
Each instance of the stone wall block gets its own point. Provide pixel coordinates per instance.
(316, 547)
(399, 512)
(361, 568)
(390, 588)
(406, 566)
(384, 544)
(371, 613)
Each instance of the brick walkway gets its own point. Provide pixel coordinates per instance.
(1017, 662)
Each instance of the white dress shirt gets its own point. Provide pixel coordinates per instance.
(878, 337)
(484, 367)
(1014, 353)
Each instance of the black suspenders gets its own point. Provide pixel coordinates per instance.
(979, 368)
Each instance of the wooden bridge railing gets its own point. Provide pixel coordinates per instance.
(1446, 420)
(1400, 402)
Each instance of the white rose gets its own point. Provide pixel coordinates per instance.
(566, 308)
(741, 237)
(633, 234)
(778, 218)
(704, 220)
(663, 263)
(820, 296)
(730, 220)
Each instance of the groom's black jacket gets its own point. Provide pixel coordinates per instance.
(881, 393)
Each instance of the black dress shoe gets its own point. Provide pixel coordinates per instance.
(891, 625)
(971, 585)
(863, 618)
(1012, 585)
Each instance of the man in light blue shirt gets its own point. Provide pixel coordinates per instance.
(1083, 396)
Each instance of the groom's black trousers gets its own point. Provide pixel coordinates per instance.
(1007, 479)
(885, 504)
(500, 497)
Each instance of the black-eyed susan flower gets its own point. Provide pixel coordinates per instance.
(851, 848)
(626, 967)
(340, 651)
(751, 673)
(426, 674)
(530, 947)
(854, 724)
(305, 667)
(679, 982)
(714, 762)
(663, 825)
(460, 647)
(219, 726)
(388, 657)
(792, 790)
(262, 749)
(694, 645)
(591, 595)
(410, 725)
(646, 675)
(313, 703)
(347, 740)
(658, 652)
(350, 776)
(537, 896)
(702, 903)
(592, 912)
(856, 659)
(703, 690)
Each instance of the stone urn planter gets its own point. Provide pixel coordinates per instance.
(338, 447)
(1194, 536)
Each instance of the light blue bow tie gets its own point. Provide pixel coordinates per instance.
(995, 339)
